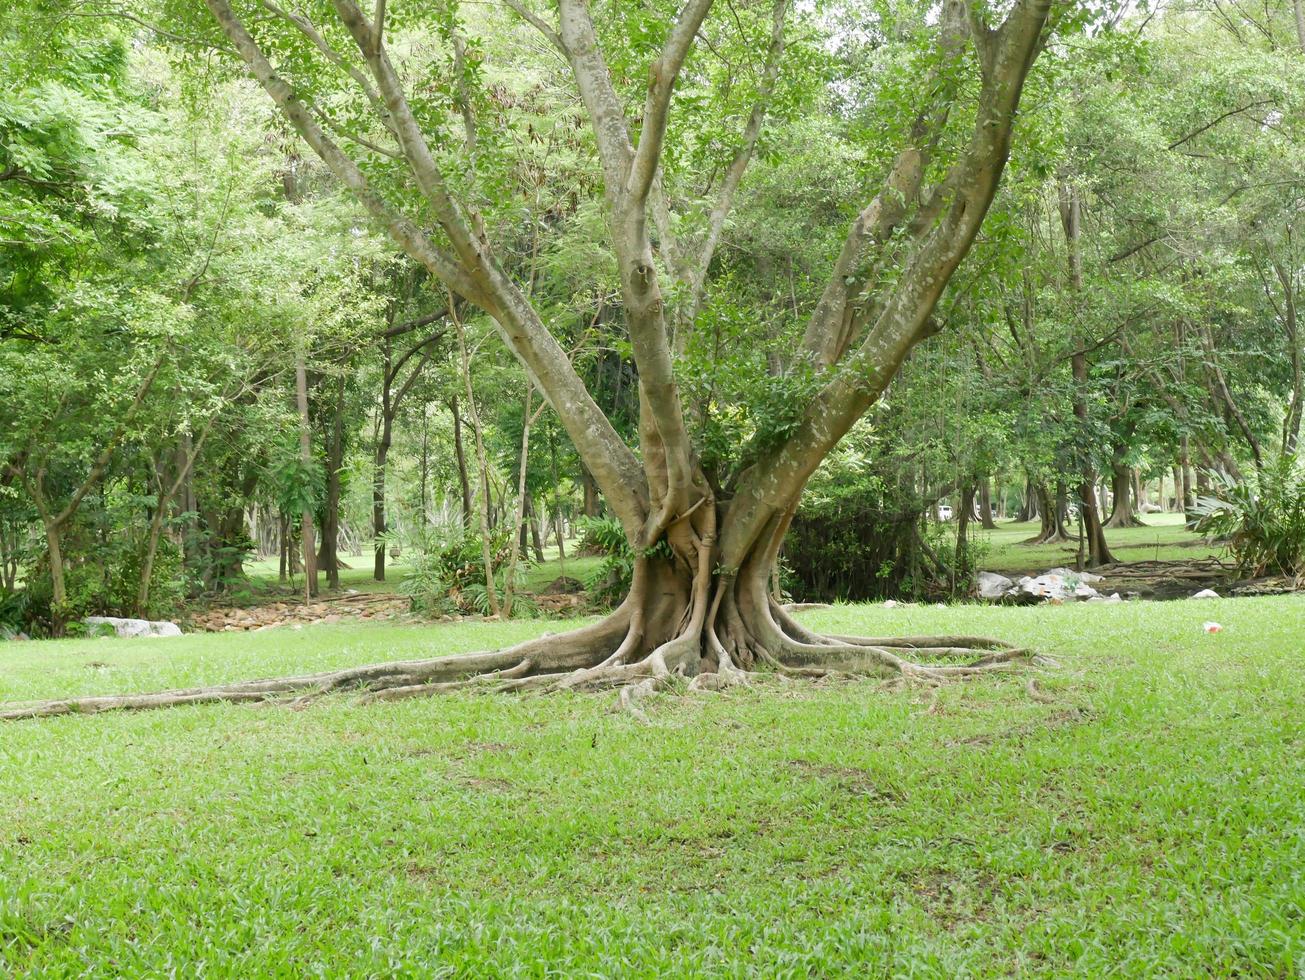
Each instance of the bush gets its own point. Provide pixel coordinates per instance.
(447, 573)
(104, 582)
(1263, 519)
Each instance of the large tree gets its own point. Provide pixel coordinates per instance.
(700, 603)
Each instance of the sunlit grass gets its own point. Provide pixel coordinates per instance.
(1147, 822)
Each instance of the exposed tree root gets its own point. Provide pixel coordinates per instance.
(726, 634)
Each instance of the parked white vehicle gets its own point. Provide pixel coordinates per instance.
(944, 512)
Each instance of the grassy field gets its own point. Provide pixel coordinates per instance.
(1163, 537)
(1147, 822)
(358, 577)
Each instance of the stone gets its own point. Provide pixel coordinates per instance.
(994, 586)
(1054, 586)
(131, 627)
(1205, 594)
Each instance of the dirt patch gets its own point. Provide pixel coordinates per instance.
(1063, 718)
(855, 781)
(487, 785)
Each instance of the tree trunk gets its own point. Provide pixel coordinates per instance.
(58, 592)
(1029, 504)
(1051, 515)
(283, 539)
(985, 504)
(1123, 513)
(382, 453)
(328, 557)
(306, 458)
(518, 537)
(460, 452)
(536, 533)
(1071, 219)
(962, 564)
(482, 465)
(592, 507)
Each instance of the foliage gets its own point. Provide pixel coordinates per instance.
(1262, 518)
(447, 572)
(102, 580)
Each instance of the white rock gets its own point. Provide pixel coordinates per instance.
(1206, 594)
(994, 586)
(1055, 587)
(134, 627)
(890, 603)
(1087, 577)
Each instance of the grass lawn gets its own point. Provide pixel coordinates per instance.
(1163, 537)
(359, 578)
(1150, 821)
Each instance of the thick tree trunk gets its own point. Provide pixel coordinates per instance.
(1123, 513)
(1050, 514)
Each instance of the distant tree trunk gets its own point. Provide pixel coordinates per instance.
(283, 539)
(164, 500)
(522, 501)
(328, 557)
(460, 452)
(1071, 220)
(536, 536)
(1051, 515)
(384, 438)
(1029, 504)
(985, 504)
(486, 546)
(962, 530)
(1123, 514)
(425, 465)
(306, 457)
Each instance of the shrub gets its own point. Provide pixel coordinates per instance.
(1262, 519)
(447, 572)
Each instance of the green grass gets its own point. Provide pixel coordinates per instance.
(1163, 537)
(359, 577)
(1148, 822)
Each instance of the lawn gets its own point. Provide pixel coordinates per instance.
(1148, 821)
(1163, 537)
(535, 576)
